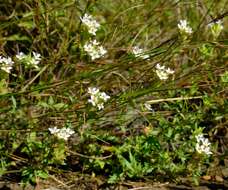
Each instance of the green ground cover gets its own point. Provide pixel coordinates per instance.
(133, 89)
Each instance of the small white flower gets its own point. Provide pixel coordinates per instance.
(100, 106)
(162, 75)
(159, 67)
(97, 98)
(91, 24)
(94, 99)
(200, 137)
(162, 72)
(6, 64)
(183, 27)
(216, 28)
(102, 51)
(138, 52)
(216, 23)
(54, 130)
(169, 71)
(20, 56)
(35, 60)
(31, 60)
(148, 106)
(104, 96)
(93, 90)
(36, 56)
(203, 145)
(63, 133)
(94, 50)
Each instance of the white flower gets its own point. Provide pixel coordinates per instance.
(97, 98)
(203, 145)
(138, 52)
(169, 71)
(93, 90)
(6, 64)
(34, 60)
(200, 137)
(159, 67)
(183, 27)
(20, 56)
(92, 24)
(216, 23)
(162, 75)
(94, 100)
(63, 133)
(162, 72)
(104, 96)
(31, 60)
(94, 50)
(100, 106)
(54, 130)
(148, 106)
(216, 28)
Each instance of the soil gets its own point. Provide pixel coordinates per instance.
(96, 183)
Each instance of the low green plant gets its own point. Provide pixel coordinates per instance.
(122, 89)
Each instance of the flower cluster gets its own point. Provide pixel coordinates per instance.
(203, 145)
(94, 49)
(63, 133)
(6, 64)
(31, 60)
(97, 98)
(184, 27)
(216, 28)
(138, 52)
(92, 24)
(162, 72)
(148, 107)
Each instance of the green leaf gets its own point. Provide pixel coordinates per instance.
(27, 24)
(32, 137)
(17, 37)
(3, 86)
(224, 77)
(113, 178)
(42, 174)
(100, 163)
(14, 102)
(51, 100)
(59, 106)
